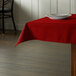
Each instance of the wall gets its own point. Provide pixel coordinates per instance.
(27, 10)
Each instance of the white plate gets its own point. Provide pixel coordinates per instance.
(59, 16)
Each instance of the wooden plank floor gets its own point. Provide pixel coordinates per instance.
(34, 58)
(45, 59)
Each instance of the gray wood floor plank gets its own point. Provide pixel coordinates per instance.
(34, 58)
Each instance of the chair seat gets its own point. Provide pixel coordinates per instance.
(5, 10)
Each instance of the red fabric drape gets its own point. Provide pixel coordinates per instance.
(46, 29)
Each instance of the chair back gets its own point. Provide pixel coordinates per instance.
(7, 4)
(11, 2)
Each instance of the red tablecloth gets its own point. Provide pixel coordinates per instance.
(46, 29)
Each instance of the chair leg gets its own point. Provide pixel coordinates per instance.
(3, 23)
(13, 22)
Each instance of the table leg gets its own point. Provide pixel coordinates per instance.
(73, 60)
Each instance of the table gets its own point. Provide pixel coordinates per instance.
(62, 31)
(46, 29)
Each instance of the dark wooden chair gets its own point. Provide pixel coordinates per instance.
(5, 9)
